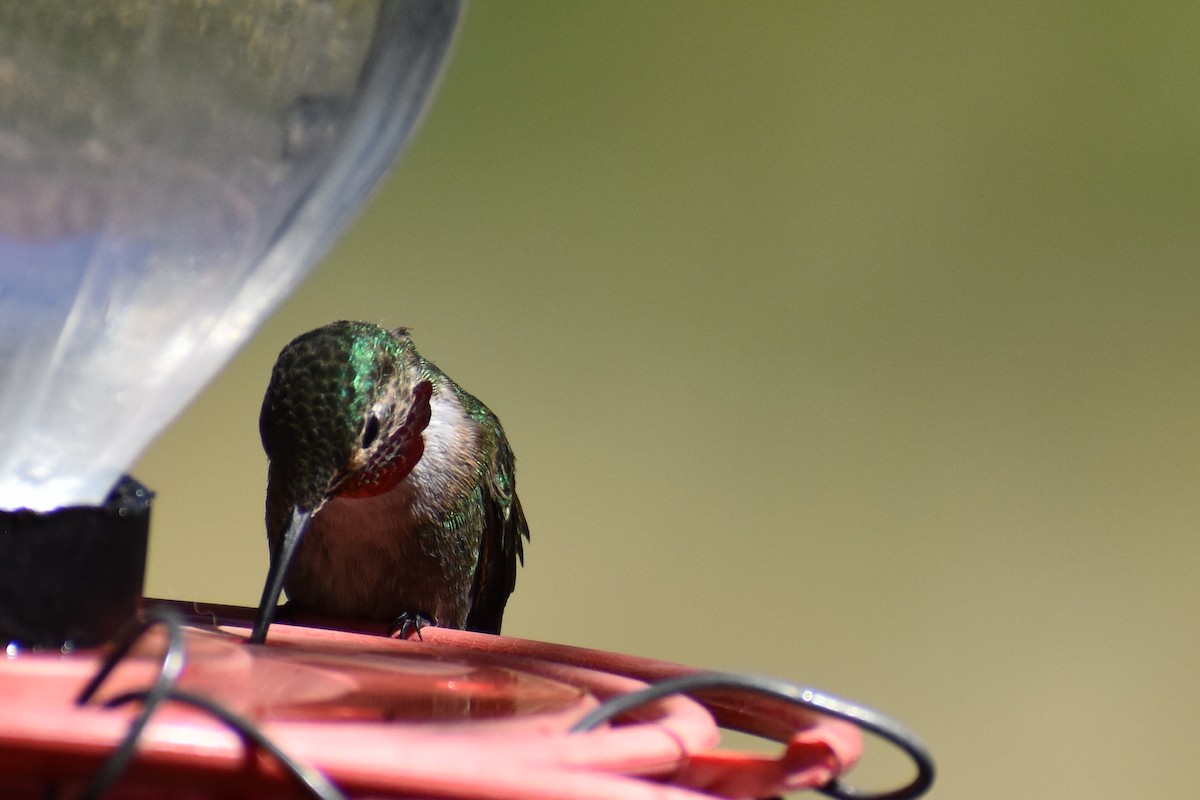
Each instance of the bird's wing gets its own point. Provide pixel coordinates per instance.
(501, 545)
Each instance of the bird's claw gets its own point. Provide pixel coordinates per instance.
(410, 622)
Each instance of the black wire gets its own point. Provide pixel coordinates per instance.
(865, 718)
(168, 676)
(309, 777)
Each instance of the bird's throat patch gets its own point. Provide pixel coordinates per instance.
(394, 458)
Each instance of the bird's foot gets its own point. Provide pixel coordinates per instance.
(410, 622)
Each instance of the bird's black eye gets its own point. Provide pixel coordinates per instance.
(370, 430)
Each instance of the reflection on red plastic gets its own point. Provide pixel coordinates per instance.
(403, 687)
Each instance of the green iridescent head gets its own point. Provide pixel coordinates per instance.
(344, 412)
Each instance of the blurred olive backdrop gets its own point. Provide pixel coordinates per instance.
(852, 343)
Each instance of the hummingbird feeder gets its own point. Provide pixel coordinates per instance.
(168, 173)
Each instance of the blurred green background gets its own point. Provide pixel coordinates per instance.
(853, 343)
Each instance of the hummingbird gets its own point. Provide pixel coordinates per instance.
(391, 491)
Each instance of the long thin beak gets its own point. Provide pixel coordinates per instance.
(281, 559)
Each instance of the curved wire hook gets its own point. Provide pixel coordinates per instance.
(867, 719)
(165, 688)
(168, 676)
(320, 786)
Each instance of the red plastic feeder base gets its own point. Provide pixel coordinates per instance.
(453, 715)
